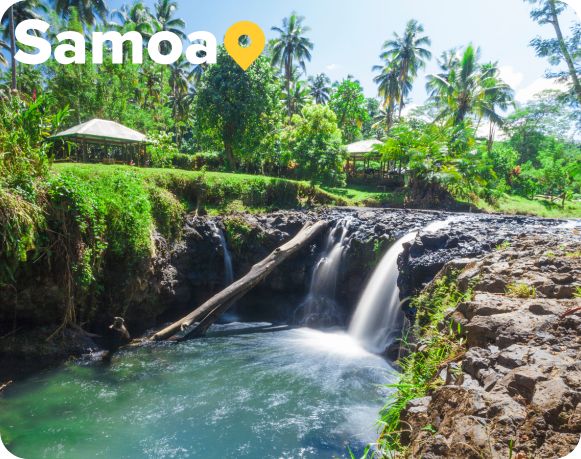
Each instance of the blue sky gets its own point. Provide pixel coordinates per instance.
(348, 35)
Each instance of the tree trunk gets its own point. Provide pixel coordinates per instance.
(13, 48)
(218, 304)
(564, 51)
(289, 74)
(491, 134)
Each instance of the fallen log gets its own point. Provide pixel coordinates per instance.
(207, 314)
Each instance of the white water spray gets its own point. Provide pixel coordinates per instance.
(378, 315)
(320, 304)
(228, 270)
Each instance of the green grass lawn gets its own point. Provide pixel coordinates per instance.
(517, 205)
(366, 196)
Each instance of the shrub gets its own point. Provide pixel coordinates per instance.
(24, 127)
(162, 150)
(314, 146)
(210, 160)
(238, 231)
(168, 212)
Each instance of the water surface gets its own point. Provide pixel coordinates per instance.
(291, 394)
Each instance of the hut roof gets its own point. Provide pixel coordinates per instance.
(103, 131)
(362, 147)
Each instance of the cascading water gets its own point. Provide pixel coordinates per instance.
(320, 305)
(228, 270)
(378, 316)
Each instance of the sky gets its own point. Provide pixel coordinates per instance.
(348, 35)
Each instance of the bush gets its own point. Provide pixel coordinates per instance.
(313, 146)
(183, 161)
(168, 212)
(210, 160)
(24, 127)
(162, 150)
(20, 222)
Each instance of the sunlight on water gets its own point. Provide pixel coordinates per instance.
(291, 394)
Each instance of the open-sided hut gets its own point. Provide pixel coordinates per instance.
(101, 141)
(362, 158)
(365, 165)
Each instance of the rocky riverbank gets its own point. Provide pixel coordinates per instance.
(514, 390)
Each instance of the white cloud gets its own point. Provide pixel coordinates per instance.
(529, 92)
(408, 108)
(511, 76)
(576, 5)
(333, 67)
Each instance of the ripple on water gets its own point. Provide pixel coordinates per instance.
(293, 393)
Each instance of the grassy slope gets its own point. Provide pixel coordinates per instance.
(218, 191)
(245, 190)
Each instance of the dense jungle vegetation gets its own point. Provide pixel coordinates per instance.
(275, 120)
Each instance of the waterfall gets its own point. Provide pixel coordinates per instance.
(320, 306)
(228, 270)
(378, 315)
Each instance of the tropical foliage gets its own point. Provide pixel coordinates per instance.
(470, 139)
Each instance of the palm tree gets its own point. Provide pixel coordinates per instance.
(298, 97)
(151, 81)
(291, 46)
(320, 86)
(198, 70)
(182, 94)
(19, 12)
(136, 17)
(180, 76)
(164, 20)
(4, 48)
(497, 96)
(468, 88)
(408, 54)
(389, 90)
(88, 10)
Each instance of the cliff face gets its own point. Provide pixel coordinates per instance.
(516, 390)
(178, 276)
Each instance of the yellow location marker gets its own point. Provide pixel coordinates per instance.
(245, 56)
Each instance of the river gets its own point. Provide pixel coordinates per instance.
(297, 393)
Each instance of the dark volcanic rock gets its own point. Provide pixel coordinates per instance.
(521, 377)
(468, 236)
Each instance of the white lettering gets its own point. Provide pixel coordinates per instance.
(208, 46)
(78, 48)
(175, 45)
(117, 41)
(43, 46)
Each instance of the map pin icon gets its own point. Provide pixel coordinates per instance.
(245, 56)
